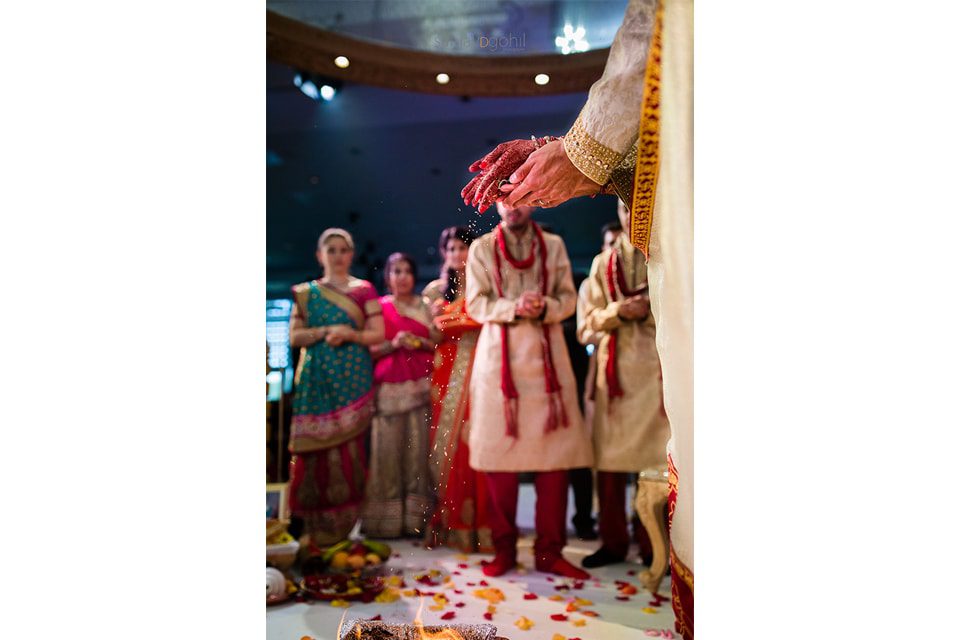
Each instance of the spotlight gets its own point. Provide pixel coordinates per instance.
(342, 61)
(572, 39)
(307, 86)
(317, 88)
(442, 78)
(542, 79)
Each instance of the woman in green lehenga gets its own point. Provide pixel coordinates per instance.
(334, 320)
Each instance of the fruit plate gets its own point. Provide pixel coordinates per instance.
(340, 586)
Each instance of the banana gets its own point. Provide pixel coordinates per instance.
(381, 549)
(331, 551)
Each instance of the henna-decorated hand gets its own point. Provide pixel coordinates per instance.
(483, 190)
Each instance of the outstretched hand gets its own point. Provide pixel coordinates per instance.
(484, 189)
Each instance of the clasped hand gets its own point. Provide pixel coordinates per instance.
(530, 304)
(635, 307)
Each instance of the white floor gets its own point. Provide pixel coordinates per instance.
(640, 617)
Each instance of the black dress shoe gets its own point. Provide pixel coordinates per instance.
(602, 557)
(586, 533)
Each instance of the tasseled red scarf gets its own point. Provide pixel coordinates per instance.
(557, 414)
(616, 280)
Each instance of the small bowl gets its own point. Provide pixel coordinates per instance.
(282, 556)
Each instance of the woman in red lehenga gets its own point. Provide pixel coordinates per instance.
(460, 519)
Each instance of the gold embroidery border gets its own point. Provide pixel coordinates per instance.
(452, 409)
(594, 159)
(648, 147)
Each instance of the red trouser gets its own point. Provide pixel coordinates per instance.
(551, 513)
(612, 493)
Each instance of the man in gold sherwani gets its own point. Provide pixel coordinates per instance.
(634, 136)
(630, 428)
(524, 412)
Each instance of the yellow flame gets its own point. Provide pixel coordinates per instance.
(443, 634)
(340, 626)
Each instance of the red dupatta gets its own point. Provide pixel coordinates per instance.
(557, 415)
(616, 281)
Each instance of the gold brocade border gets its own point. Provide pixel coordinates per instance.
(681, 570)
(648, 148)
(594, 159)
(450, 422)
(346, 303)
(683, 619)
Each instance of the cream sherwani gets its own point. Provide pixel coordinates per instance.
(602, 144)
(630, 434)
(533, 450)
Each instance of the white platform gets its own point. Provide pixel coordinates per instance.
(617, 619)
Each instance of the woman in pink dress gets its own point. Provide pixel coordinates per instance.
(398, 495)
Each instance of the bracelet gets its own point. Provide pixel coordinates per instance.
(539, 142)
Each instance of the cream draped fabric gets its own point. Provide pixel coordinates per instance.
(534, 450)
(670, 269)
(606, 129)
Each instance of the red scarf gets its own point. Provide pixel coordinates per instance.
(616, 280)
(557, 414)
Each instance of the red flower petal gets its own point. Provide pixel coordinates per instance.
(559, 617)
(529, 596)
(460, 604)
(624, 598)
(488, 616)
(376, 617)
(449, 615)
(631, 572)
(463, 565)
(484, 583)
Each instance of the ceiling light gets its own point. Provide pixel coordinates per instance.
(327, 92)
(342, 61)
(572, 39)
(306, 85)
(442, 78)
(542, 79)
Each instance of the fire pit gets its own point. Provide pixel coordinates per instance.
(377, 630)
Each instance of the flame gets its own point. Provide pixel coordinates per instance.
(443, 634)
(340, 626)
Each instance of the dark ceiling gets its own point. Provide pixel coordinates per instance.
(389, 165)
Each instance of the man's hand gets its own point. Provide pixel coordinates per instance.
(547, 179)
(635, 307)
(530, 304)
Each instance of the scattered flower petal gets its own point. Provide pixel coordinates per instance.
(488, 616)
(559, 617)
(579, 623)
(524, 623)
(556, 597)
(592, 614)
(339, 603)
(649, 610)
(530, 596)
(449, 615)
(583, 602)
(375, 618)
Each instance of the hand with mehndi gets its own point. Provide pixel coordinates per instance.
(495, 167)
